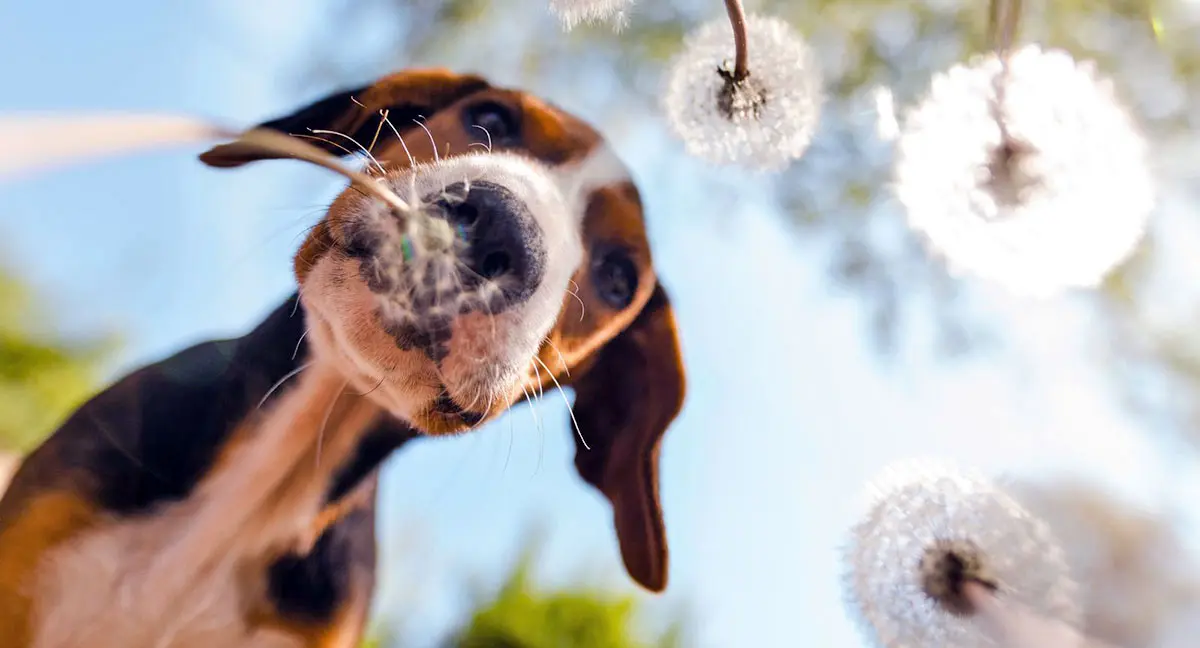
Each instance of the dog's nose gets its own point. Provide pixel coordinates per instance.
(503, 241)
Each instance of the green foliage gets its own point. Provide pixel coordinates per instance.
(41, 379)
(373, 641)
(521, 616)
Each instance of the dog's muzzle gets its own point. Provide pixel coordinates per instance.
(496, 263)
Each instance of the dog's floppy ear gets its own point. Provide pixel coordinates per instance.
(407, 96)
(625, 399)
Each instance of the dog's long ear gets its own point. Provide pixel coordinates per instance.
(407, 96)
(625, 399)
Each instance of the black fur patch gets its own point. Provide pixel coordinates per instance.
(372, 451)
(432, 337)
(162, 427)
(313, 587)
(446, 405)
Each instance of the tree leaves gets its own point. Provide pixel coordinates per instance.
(520, 615)
(41, 379)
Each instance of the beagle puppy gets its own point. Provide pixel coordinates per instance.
(225, 495)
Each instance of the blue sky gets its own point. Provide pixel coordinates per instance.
(789, 412)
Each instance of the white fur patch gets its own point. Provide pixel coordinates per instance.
(599, 168)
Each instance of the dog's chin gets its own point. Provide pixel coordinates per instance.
(445, 417)
(479, 378)
(417, 391)
(483, 373)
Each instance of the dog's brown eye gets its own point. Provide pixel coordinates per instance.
(492, 123)
(615, 277)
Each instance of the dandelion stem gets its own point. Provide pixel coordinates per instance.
(1013, 626)
(1003, 17)
(737, 20)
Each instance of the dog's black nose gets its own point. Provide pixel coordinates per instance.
(503, 242)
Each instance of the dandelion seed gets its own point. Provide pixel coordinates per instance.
(573, 13)
(764, 120)
(930, 531)
(1033, 176)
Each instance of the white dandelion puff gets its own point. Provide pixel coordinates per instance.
(573, 13)
(930, 530)
(762, 121)
(1031, 175)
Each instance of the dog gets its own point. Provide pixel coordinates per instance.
(188, 505)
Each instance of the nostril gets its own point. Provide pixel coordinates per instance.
(495, 264)
(465, 214)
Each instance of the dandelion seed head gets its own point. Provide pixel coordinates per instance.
(740, 100)
(1032, 176)
(929, 529)
(946, 567)
(573, 13)
(762, 121)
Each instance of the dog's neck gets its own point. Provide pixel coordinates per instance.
(264, 497)
(283, 461)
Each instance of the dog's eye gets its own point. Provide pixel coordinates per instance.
(497, 120)
(615, 277)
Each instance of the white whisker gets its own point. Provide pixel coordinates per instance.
(488, 146)
(384, 114)
(533, 403)
(379, 384)
(575, 293)
(375, 138)
(538, 375)
(370, 157)
(486, 412)
(570, 408)
(296, 351)
(324, 140)
(126, 452)
(508, 453)
(432, 142)
(562, 360)
(325, 421)
(279, 383)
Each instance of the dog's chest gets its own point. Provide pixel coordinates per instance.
(193, 574)
(104, 590)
